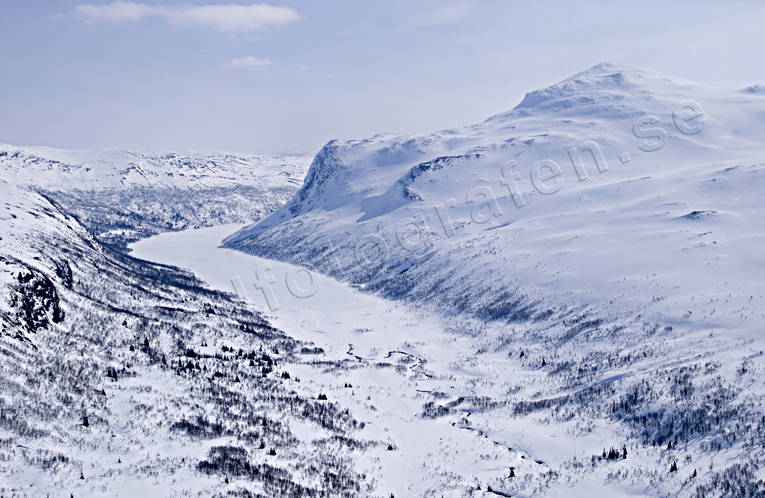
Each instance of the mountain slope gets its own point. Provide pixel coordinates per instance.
(120, 377)
(568, 217)
(606, 233)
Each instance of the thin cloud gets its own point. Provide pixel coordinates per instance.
(248, 61)
(117, 11)
(227, 17)
(443, 15)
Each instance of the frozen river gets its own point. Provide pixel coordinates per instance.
(307, 305)
(397, 359)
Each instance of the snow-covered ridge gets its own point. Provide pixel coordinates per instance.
(58, 169)
(603, 104)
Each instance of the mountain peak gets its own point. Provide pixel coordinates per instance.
(756, 89)
(603, 77)
(606, 67)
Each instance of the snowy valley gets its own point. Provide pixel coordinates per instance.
(565, 298)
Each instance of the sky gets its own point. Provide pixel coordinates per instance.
(201, 75)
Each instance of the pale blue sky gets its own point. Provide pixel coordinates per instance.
(203, 75)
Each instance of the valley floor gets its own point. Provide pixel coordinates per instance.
(440, 402)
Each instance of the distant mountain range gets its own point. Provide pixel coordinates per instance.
(122, 196)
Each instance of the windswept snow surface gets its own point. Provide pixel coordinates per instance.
(606, 233)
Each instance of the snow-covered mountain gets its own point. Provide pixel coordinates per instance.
(607, 233)
(123, 195)
(601, 188)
